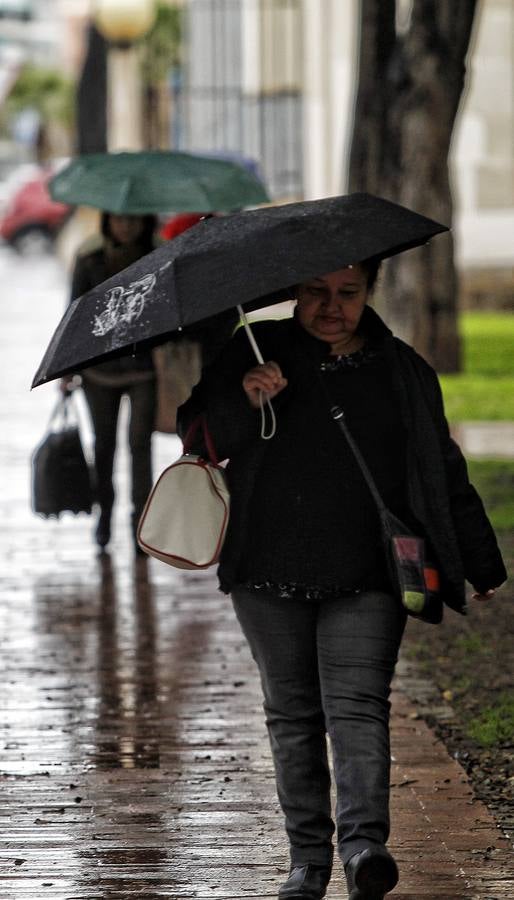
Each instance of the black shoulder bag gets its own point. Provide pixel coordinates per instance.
(415, 580)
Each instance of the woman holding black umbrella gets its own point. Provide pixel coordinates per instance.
(304, 561)
(303, 556)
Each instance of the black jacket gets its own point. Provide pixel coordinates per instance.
(440, 495)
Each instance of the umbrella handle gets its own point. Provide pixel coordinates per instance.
(250, 334)
(260, 359)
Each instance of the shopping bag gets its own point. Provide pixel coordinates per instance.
(178, 366)
(61, 477)
(185, 518)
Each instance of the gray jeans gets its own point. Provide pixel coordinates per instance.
(327, 668)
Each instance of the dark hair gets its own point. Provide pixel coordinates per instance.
(372, 267)
(147, 234)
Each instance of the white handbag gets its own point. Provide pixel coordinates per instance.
(185, 518)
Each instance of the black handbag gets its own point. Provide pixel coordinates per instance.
(61, 477)
(414, 578)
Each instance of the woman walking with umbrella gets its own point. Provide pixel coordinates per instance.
(303, 557)
(131, 185)
(125, 238)
(304, 562)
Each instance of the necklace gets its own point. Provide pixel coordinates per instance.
(349, 360)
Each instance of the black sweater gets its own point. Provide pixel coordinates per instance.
(312, 520)
(440, 497)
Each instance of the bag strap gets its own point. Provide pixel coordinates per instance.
(338, 416)
(200, 422)
(62, 409)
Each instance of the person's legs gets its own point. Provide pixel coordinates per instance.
(358, 643)
(142, 417)
(282, 638)
(104, 404)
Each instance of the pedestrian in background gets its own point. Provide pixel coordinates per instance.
(303, 557)
(155, 380)
(124, 239)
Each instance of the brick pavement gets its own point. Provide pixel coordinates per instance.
(134, 757)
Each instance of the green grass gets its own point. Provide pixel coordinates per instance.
(471, 398)
(485, 388)
(494, 481)
(488, 343)
(495, 724)
(472, 643)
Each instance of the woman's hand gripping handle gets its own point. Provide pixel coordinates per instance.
(263, 381)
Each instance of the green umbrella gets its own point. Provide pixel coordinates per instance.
(154, 181)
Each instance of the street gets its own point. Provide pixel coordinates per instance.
(135, 760)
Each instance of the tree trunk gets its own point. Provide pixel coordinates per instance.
(410, 86)
(156, 118)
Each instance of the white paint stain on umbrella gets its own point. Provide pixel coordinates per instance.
(124, 305)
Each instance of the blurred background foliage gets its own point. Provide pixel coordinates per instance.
(47, 91)
(160, 60)
(161, 48)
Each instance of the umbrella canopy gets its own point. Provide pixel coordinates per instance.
(153, 181)
(247, 258)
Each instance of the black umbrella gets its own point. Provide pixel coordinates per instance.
(247, 258)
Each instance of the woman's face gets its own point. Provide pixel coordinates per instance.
(330, 306)
(125, 229)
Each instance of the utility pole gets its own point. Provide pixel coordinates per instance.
(92, 96)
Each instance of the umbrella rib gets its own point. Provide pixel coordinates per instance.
(124, 193)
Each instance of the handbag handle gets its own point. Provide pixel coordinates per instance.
(199, 422)
(62, 408)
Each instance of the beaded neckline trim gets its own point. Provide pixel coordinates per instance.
(349, 361)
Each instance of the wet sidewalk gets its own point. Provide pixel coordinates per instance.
(134, 758)
(485, 439)
(135, 762)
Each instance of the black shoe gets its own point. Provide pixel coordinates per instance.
(371, 874)
(103, 530)
(307, 882)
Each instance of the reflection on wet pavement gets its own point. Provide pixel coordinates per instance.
(124, 760)
(126, 732)
(133, 738)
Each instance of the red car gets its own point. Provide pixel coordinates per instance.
(32, 219)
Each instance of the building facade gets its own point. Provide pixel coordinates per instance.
(482, 156)
(274, 80)
(243, 83)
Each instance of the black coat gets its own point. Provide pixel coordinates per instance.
(440, 494)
